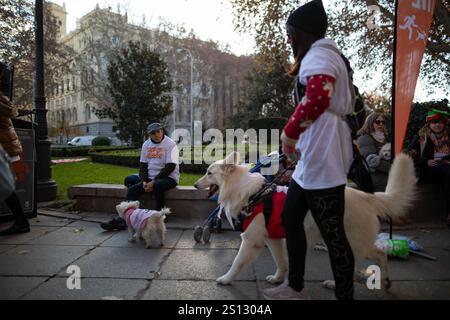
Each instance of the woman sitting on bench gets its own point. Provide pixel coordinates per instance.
(431, 152)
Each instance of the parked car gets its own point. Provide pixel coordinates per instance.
(81, 141)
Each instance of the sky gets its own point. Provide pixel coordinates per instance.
(210, 19)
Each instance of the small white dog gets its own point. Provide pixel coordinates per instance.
(385, 152)
(143, 223)
(362, 211)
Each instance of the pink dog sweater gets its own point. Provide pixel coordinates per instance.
(137, 218)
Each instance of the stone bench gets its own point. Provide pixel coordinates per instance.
(428, 207)
(182, 200)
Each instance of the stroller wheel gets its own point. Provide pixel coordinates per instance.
(198, 232)
(206, 235)
(219, 225)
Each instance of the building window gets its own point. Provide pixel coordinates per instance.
(88, 112)
(75, 115)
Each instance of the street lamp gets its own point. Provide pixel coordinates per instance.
(46, 187)
(190, 91)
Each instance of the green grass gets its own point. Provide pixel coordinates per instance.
(85, 172)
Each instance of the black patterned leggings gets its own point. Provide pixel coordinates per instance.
(327, 208)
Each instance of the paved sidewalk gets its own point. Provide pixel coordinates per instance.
(34, 265)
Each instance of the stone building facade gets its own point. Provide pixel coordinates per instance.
(217, 86)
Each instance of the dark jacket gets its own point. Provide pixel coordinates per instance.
(421, 157)
(368, 145)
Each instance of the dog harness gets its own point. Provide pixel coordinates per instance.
(137, 218)
(271, 205)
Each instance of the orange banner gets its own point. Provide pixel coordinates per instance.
(414, 19)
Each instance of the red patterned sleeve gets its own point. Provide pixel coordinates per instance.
(319, 90)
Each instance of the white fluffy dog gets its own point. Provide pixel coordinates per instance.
(385, 152)
(362, 211)
(143, 223)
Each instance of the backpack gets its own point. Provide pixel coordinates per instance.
(359, 171)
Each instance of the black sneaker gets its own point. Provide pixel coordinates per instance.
(16, 228)
(115, 224)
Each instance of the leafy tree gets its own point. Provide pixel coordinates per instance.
(268, 94)
(369, 49)
(17, 46)
(139, 84)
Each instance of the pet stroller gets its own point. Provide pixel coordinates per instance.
(213, 223)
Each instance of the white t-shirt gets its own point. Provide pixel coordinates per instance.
(325, 147)
(157, 155)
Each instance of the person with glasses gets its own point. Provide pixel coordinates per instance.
(431, 152)
(372, 137)
(159, 171)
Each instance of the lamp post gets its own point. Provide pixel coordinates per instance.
(190, 92)
(46, 187)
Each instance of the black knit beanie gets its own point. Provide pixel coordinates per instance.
(310, 18)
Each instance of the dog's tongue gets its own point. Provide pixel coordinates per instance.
(212, 190)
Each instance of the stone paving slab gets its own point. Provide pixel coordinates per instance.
(12, 288)
(38, 260)
(91, 289)
(200, 290)
(6, 247)
(125, 263)
(120, 239)
(318, 292)
(46, 221)
(419, 290)
(35, 232)
(228, 239)
(201, 264)
(58, 214)
(79, 234)
(417, 268)
(97, 216)
(317, 266)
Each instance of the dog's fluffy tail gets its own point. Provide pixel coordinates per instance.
(400, 190)
(165, 211)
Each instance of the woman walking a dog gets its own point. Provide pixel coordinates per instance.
(318, 132)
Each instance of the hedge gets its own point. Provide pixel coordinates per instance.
(418, 115)
(82, 151)
(101, 141)
(268, 123)
(131, 159)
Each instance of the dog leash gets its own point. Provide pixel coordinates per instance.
(265, 190)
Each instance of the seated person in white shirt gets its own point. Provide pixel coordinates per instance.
(159, 171)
